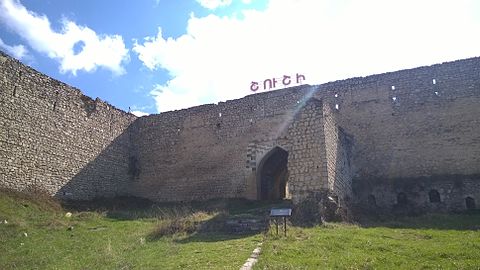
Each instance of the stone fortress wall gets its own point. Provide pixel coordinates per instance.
(368, 139)
(416, 132)
(54, 137)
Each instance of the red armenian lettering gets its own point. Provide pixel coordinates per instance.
(254, 86)
(300, 77)
(272, 83)
(269, 84)
(286, 80)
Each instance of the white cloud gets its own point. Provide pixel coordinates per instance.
(218, 57)
(17, 51)
(214, 4)
(139, 113)
(168, 100)
(139, 110)
(105, 51)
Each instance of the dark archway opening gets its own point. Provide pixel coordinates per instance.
(434, 196)
(272, 175)
(470, 203)
(372, 202)
(401, 199)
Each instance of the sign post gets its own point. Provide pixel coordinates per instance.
(281, 213)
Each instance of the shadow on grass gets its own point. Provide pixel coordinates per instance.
(109, 205)
(217, 221)
(204, 237)
(197, 221)
(469, 220)
(131, 208)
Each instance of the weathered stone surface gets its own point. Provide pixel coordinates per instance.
(54, 137)
(410, 124)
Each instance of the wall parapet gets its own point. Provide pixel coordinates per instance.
(411, 123)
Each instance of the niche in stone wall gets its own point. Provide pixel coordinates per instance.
(470, 203)
(372, 201)
(434, 196)
(55, 102)
(15, 87)
(133, 166)
(401, 199)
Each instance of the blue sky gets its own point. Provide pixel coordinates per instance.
(160, 55)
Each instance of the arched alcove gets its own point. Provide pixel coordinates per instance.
(272, 175)
(470, 203)
(372, 201)
(401, 199)
(434, 196)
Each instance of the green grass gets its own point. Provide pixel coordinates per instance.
(428, 242)
(38, 235)
(101, 242)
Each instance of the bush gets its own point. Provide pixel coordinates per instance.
(173, 226)
(179, 224)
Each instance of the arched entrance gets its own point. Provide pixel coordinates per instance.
(470, 203)
(272, 175)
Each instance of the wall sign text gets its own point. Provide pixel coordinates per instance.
(272, 83)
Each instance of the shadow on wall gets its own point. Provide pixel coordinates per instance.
(343, 173)
(388, 198)
(109, 174)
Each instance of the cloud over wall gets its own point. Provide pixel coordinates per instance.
(218, 57)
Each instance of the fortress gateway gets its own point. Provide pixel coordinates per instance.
(409, 138)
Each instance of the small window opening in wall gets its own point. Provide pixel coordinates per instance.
(337, 107)
(218, 125)
(372, 202)
(434, 81)
(436, 93)
(111, 121)
(56, 101)
(336, 95)
(393, 87)
(401, 198)
(470, 203)
(434, 196)
(133, 166)
(219, 114)
(15, 91)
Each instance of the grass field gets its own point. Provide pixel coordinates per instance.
(427, 242)
(38, 235)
